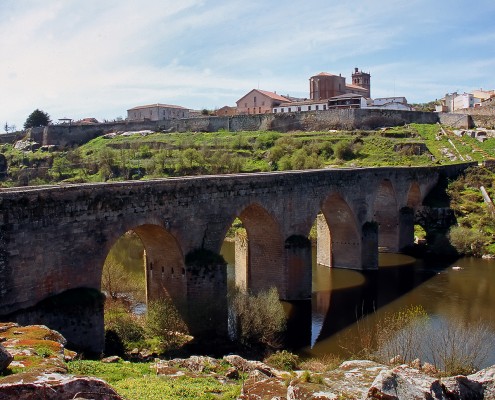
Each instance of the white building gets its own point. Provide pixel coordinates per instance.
(391, 103)
(300, 106)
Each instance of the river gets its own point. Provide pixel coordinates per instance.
(463, 291)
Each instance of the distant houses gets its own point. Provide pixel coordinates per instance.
(259, 102)
(156, 112)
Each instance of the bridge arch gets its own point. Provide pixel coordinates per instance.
(259, 255)
(386, 214)
(414, 196)
(339, 239)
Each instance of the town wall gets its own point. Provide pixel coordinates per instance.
(348, 119)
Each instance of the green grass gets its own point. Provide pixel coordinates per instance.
(138, 381)
(197, 153)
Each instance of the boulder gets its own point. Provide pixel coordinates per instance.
(486, 377)
(243, 365)
(54, 386)
(196, 363)
(259, 386)
(460, 387)
(404, 382)
(5, 358)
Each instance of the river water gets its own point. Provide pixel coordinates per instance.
(463, 291)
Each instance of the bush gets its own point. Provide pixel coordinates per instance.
(283, 360)
(343, 151)
(165, 324)
(260, 319)
(467, 241)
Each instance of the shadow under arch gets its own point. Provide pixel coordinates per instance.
(259, 255)
(386, 214)
(164, 266)
(339, 239)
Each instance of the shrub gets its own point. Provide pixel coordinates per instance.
(467, 241)
(164, 323)
(343, 151)
(260, 319)
(283, 360)
(457, 348)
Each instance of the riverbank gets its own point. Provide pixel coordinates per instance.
(39, 363)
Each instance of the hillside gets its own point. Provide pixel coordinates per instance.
(146, 155)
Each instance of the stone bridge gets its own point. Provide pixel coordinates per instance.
(54, 239)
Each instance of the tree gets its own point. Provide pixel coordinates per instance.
(37, 118)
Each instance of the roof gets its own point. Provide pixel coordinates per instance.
(346, 96)
(271, 95)
(156, 105)
(351, 86)
(325, 74)
(300, 103)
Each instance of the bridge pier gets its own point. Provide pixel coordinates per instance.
(406, 227)
(294, 284)
(206, 274)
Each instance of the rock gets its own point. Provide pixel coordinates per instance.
(486, 377)
(111, 359)
(232, 373)
(197, 363)
(404, 382)
(259, 386)
(429, 369)
(416, 364)
(398, 359)
(5, 358)
(352, 379)
(54, 386)
(310, 391)
(460, 387)
(244, 365)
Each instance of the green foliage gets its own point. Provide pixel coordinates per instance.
(37, 118)
(165, 325)
(138, 381)
(260, 318)
(283, 360)
(467, 241)
(127, 326)
(344, 151)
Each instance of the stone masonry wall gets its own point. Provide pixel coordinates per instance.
(56, 238)
(70, 135)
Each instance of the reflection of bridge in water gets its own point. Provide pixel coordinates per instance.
(54, 240)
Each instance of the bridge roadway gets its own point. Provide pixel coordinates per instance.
(54, 239)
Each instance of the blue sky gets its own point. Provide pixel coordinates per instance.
(94, 58)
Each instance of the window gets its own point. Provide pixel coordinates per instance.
(298, 108)
(289, 109)
(324, 106)
(282, 109)
(309, 108)
(260, 110)
(254, 99)
(317, 107)
(274, 110)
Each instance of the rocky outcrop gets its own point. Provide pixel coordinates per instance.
(5, 358)
(351, 380)
(54, 386)
(37, 368)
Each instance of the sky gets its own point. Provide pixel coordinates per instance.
(93, 58)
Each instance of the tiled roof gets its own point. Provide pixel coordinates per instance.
(273, 96)
(346, 96)
(157, 105)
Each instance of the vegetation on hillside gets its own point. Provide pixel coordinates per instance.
(134, 156)
(475, 231)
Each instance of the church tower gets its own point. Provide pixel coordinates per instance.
(362, 79)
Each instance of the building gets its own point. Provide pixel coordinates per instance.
(299, 106)
(325, 86)
(259, 102)
(391, 103)
(226, 111)
(350, 100)
(156, 112)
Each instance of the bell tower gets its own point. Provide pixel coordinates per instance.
(362, 79)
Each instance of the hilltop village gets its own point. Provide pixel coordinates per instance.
(326, 91)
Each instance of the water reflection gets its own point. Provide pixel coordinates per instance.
(341, 297)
